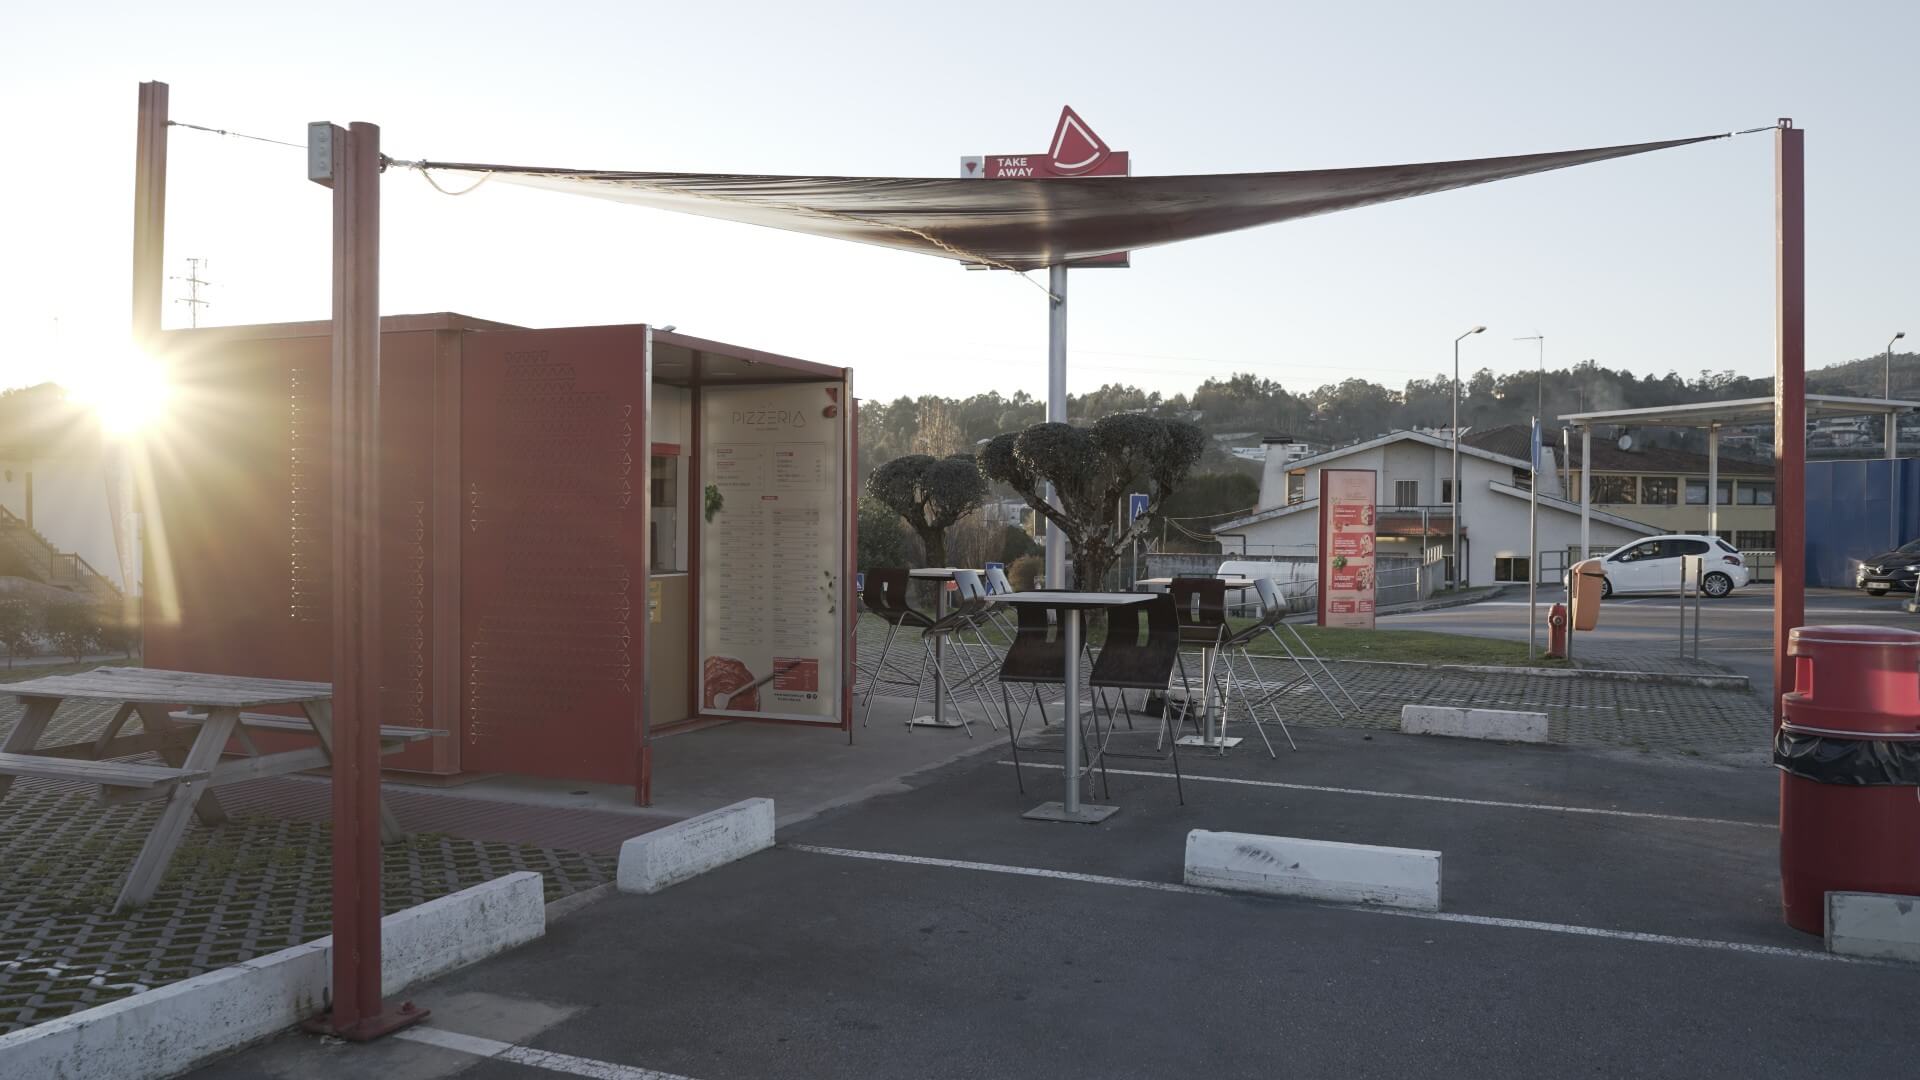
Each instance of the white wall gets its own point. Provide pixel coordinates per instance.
(70, 506)
(1495, 523)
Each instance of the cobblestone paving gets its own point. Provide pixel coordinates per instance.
(250, 887)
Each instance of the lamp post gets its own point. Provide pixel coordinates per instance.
(1893, 445)
(1459, 563)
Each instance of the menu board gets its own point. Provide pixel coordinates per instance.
(771, 518)
(1346, 548)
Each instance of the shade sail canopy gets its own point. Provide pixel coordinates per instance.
(1028, 224)
(1740, 411)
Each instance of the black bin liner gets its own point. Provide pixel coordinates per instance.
(1827, 759)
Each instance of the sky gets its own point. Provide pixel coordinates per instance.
(1652, 263)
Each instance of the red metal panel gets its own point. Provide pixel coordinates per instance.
(241, 513)
(1789, 403)
(553, 567)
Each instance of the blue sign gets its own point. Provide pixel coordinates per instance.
(859, 583)
(990, 568)
(1136, 506)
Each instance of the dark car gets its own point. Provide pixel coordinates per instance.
(1889, 570)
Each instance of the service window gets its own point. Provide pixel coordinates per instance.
(664, 486)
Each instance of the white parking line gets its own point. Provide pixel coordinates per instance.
(1548, 807)
(526, 1055)
(1433, 916)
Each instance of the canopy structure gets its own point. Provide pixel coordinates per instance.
(1029, 224)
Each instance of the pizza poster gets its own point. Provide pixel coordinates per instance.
(1346, 549)
(771, 519)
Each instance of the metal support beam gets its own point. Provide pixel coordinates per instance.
(1586, 493)
(348, 161)
(1893, 478)
(1713, 479)
(1790, 399)
(149, 214)
(1056, 559)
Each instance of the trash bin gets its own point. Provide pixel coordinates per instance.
(1849, 760)
(1584, 596)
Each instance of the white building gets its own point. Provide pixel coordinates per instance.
(1415, 507)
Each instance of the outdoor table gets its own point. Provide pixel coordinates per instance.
(212, 703)
(939, 717)
(1070, 605)
(1213, 738)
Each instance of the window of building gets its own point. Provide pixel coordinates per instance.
(1523, 479)
(1756, 493)
(1512, 568)
(1446, 491)
(1753, 540)
(1659, 490)
(1697, 492)
(664, 529)
(1406, 493)
(1614, 489)
(1296, 486)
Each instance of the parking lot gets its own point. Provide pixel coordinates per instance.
(1603, 913)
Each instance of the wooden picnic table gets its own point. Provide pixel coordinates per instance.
(187, 719)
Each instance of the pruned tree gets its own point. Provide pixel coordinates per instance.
(930, 494)
(1092, 469)
(73, 628)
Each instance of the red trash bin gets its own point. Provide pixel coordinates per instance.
(1849, 760)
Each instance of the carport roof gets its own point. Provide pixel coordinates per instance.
(1741, 411)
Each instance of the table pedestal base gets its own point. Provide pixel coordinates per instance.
(1057, 811)
(933, 722)
(1218, 742)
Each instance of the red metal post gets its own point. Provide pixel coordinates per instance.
(357, 1011)
(1789, 400)
(149, 213)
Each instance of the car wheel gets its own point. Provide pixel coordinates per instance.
(1606, 588)
(1716, 585)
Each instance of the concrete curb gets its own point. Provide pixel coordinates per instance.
(1724, 682)
(653, 861)
(1314, 869)
(1878, 926)
(1501, 725)
(167, 1031)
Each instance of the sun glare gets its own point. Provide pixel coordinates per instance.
(128, 392)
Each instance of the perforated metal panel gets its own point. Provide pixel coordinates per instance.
(553, 563)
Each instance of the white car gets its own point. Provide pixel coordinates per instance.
(1653, 565)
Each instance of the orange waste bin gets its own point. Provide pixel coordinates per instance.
(1849, 760)
(1584, 595)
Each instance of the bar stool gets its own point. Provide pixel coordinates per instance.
(886, 596)
(1130, 660)
(947, 639)
(1200, 603)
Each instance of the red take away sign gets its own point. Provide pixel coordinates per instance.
(1075, 152)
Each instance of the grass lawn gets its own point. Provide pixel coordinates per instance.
(23, 672)
(1407, 646)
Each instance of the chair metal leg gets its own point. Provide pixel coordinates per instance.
(1253, 704)
(879, 666)
(1013, 738)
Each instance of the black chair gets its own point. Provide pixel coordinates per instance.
(947, 639)
(1131, 659)
(886, 596)
(1036, 657)
(1201, 606)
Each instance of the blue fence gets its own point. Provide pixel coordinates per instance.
(1849, 504)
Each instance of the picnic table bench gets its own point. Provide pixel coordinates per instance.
(187, 719)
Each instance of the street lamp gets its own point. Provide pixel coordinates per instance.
(1459, 564)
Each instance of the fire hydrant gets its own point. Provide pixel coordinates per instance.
(1557, 632)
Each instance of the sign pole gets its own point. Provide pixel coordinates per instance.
(348, 161)
(1056, 561)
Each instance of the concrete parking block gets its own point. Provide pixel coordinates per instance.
(1879, 926)
(1499, 724)
(1314, 869)
(685, 849)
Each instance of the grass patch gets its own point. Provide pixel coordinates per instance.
(1406, 646)
(40, 671)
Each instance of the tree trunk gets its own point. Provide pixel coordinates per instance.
(935, 541)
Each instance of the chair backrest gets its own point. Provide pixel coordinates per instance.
(886, 592)
(1130, 660)
(997, 582)
(1038, 652)
(971, 587)
(1200, 601)
(1272, 606)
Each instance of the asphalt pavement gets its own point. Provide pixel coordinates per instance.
(1736, 632)
(1603, 914)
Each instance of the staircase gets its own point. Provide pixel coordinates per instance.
(24, 553)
